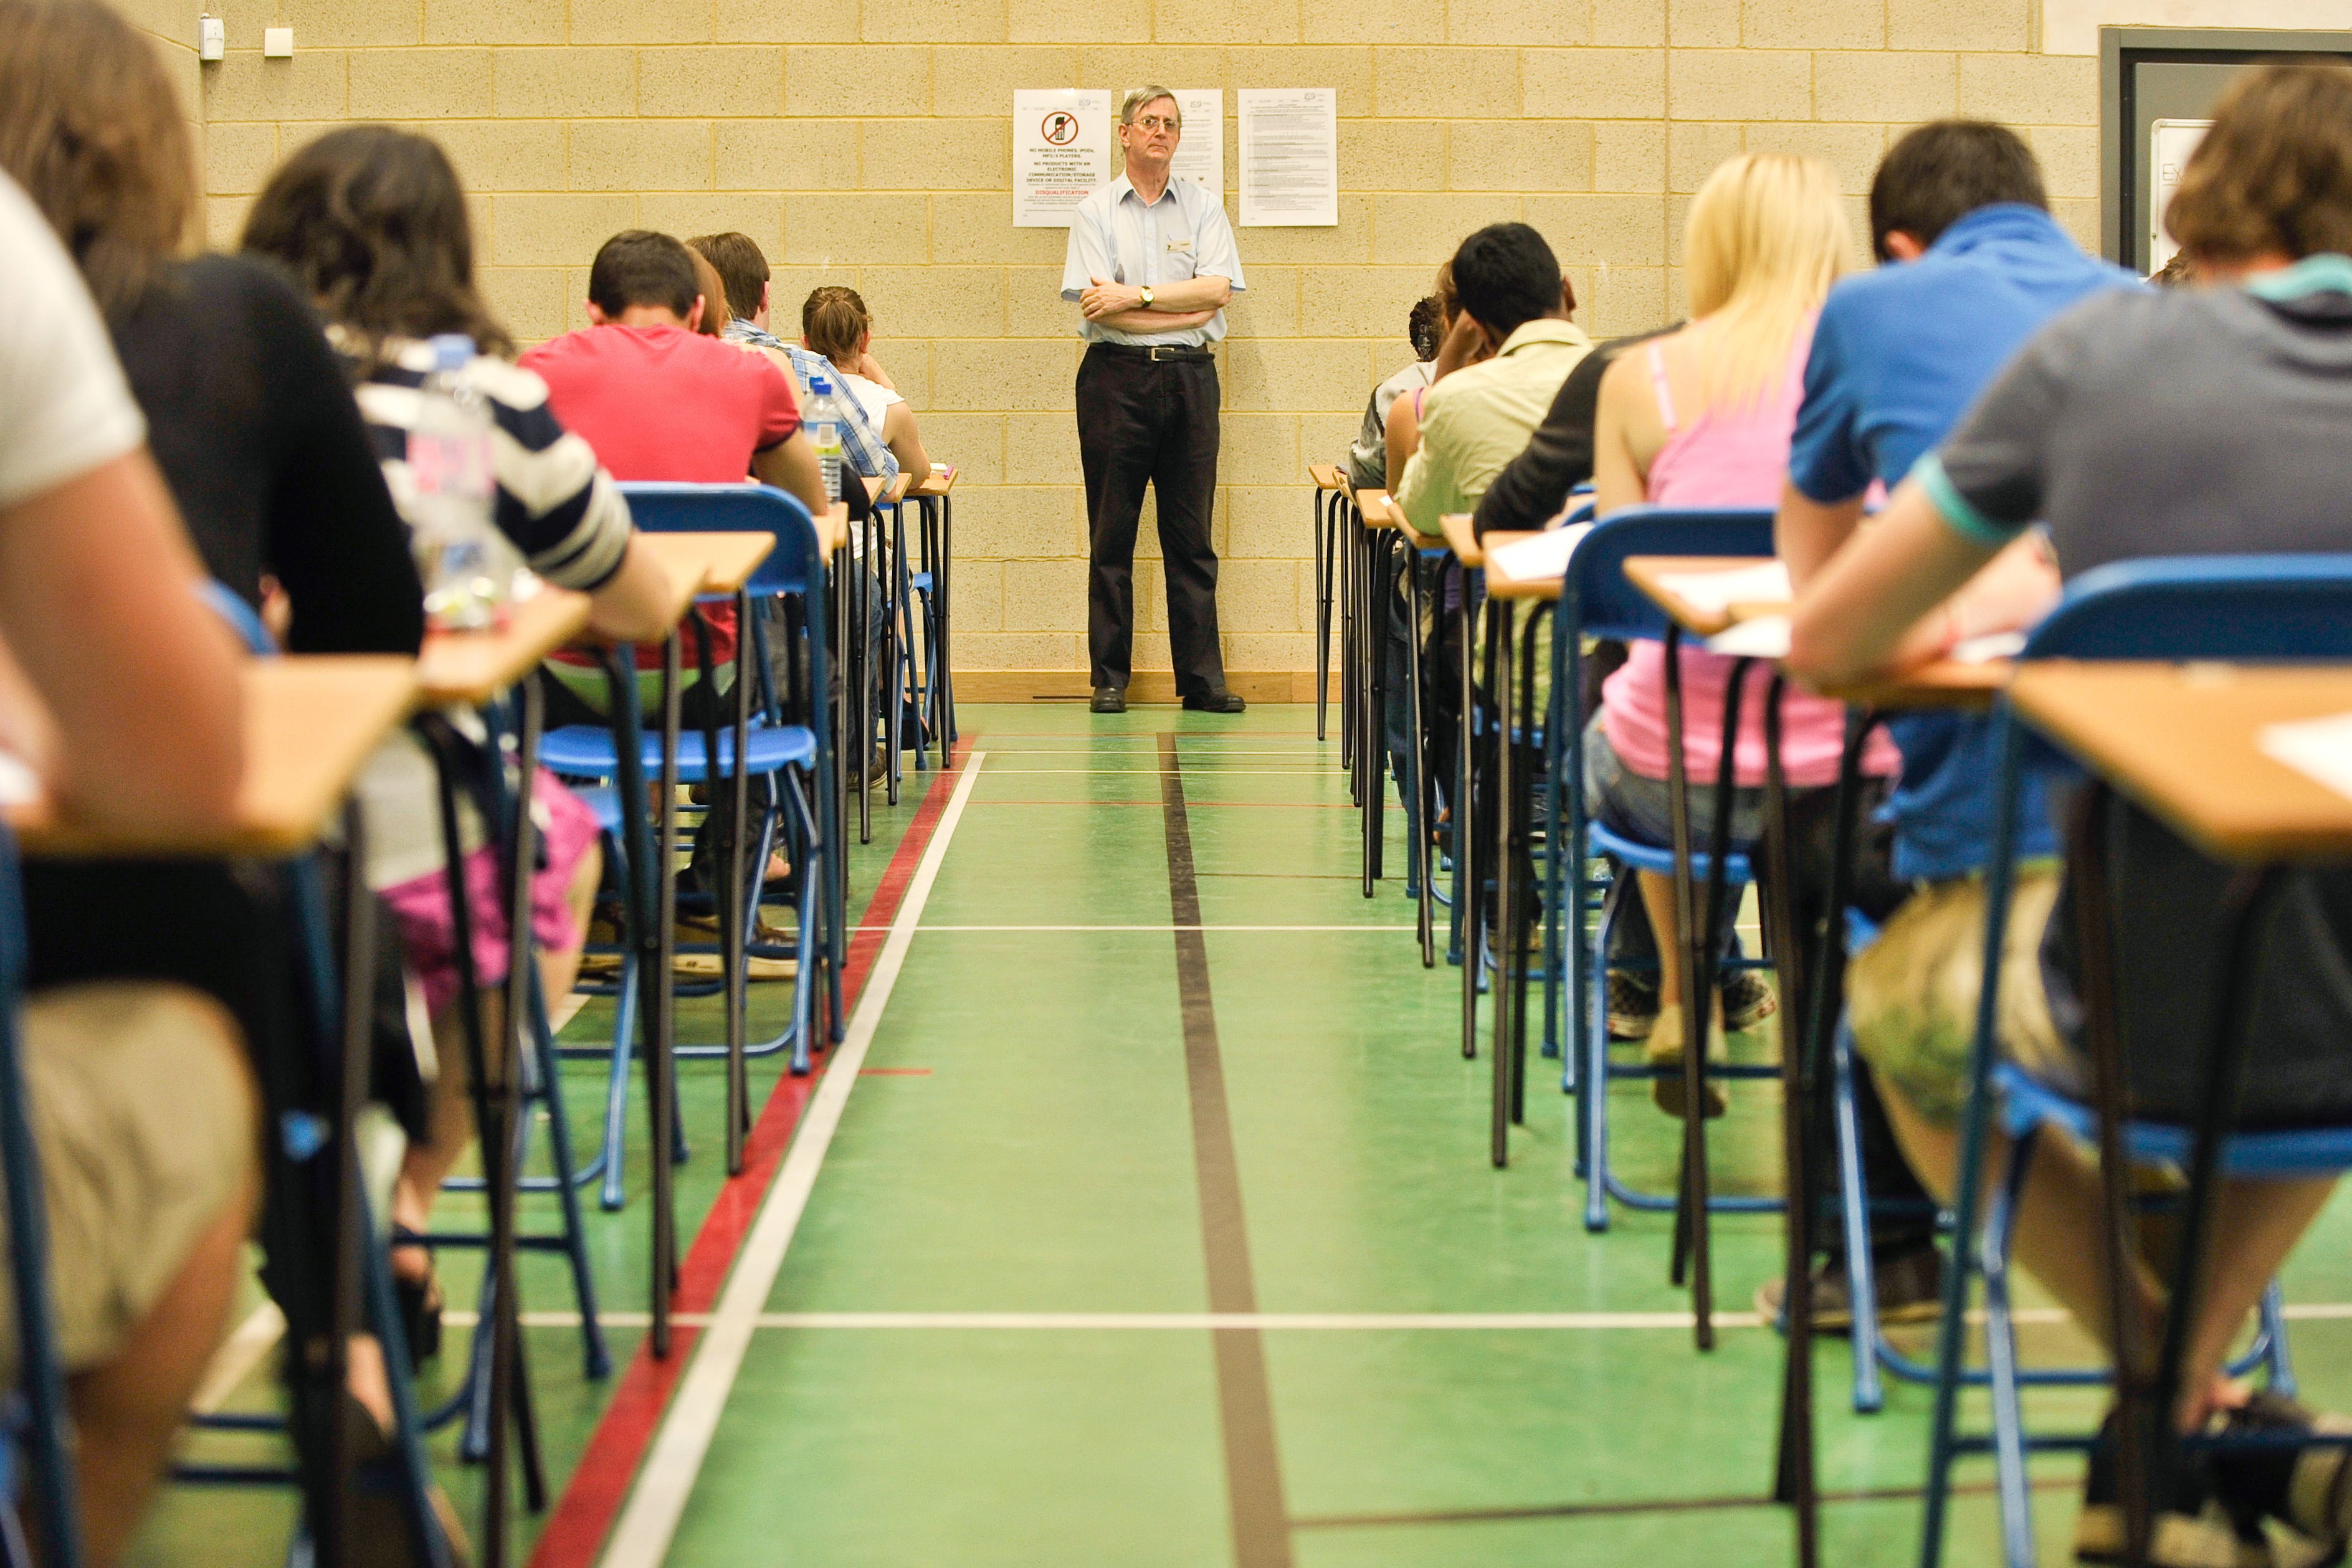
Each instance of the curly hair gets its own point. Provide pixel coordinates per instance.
(371, 222)
(91, 128)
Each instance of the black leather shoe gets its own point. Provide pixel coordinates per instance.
(1218, 701)
(1109, 699)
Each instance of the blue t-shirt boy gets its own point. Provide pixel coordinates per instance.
(1899, 355)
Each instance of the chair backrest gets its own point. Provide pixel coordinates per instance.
(1596, 600)
(2250, 608)
(795, 566)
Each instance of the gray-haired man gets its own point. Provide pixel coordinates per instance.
(1152, 264)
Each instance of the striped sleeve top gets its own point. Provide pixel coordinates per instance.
(562, 511)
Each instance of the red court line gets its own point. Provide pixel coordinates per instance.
(591, 1498)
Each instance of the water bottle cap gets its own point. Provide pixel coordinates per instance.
(451, 351)
(819, 386)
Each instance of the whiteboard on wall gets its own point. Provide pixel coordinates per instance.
(2071, 26)
(2170, 144)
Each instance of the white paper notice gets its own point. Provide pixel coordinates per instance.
(1200, 151)
(2169, 143)
(1061, 153)
(1540, 558)
(2319, 749)
(1290, 156)
(1766, 637)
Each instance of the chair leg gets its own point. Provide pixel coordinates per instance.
(1861, 1268)
(2001, 1356)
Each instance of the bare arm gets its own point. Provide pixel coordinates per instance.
(1403, 439)
(1466, 344)
(906, 443)
(1807, 532)
(871, 368)
(1207, 292)
(1867, 611)
(1140, 321)
(629, 606)
(97, 603)
(790, 465)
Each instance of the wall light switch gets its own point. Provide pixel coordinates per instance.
(278, 43)
(212, 37)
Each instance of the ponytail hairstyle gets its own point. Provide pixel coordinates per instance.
(835, 322)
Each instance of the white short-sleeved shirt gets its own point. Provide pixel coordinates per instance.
(1184, 234)
(65, 408)
(873, 399)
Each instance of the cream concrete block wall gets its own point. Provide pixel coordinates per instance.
(868, 141)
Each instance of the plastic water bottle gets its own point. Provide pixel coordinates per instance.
(467, 566)
(823, 419)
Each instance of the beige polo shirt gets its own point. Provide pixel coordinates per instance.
(1479, 418)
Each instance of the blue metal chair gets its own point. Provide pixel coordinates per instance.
(1596, 600)
(2247, 609)
(791, 752)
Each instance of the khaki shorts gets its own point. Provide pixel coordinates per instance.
(146, 1125)
(1911, 996)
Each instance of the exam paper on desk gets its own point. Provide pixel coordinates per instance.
(1544, 555)
(2318, 748)
(1715, 591)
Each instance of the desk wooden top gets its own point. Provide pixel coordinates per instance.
(898, 488)
(1325, 476)
(1462, 538)
(1648, 572)
(1500, 584)
(2183, 741)
(473, 667)
(942, 480)
(833, 528)
(1948, 683)
(311, 720)
(873, 483)
(1376, 510)
(711, 563)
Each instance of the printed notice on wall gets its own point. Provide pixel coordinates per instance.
(1061, 153)
(1290, 156)
(1200, 151)
(2169, 143)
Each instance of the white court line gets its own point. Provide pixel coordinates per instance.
(239, 1354)
(649, 1521)
(1147, 928)
(1588, 1323)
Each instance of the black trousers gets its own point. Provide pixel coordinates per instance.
(1144, 422)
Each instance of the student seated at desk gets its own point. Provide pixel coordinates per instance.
(835, 323)
(1368, 453)
(743, 310)
(120, 688)
(1972, 264)
(1701, 417)
(2145, 423)
(371, 222)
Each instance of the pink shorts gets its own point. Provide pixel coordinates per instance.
(566, 830)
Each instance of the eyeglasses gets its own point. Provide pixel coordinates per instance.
(1158, 122)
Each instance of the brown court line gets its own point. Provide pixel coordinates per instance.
(1259, 1516)
(1647, 1506)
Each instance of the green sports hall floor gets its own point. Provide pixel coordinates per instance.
(983, 1344)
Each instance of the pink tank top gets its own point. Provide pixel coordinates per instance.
(1725, 457)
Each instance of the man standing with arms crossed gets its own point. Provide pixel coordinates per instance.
(1152, 264)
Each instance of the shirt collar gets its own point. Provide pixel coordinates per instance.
(2000, 221)
(1543, 329)
(740, 330)
(2327, 272)
(1122, 188)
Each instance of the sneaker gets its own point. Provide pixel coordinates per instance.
(1909, 1286)
(1664, 1052)
(1747, 1001)
(2191, 1527)
(2308, 1490)
(1633, 1005)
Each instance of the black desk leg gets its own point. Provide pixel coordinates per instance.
(1690, 1197)
(1418, 856)
(1522, 867)
(1501, 614)
(1469, 889)
(1322, 612)
(738, 888)
(663, 1061)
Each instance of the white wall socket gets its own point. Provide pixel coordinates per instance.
(212, 37)
(278, 43)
